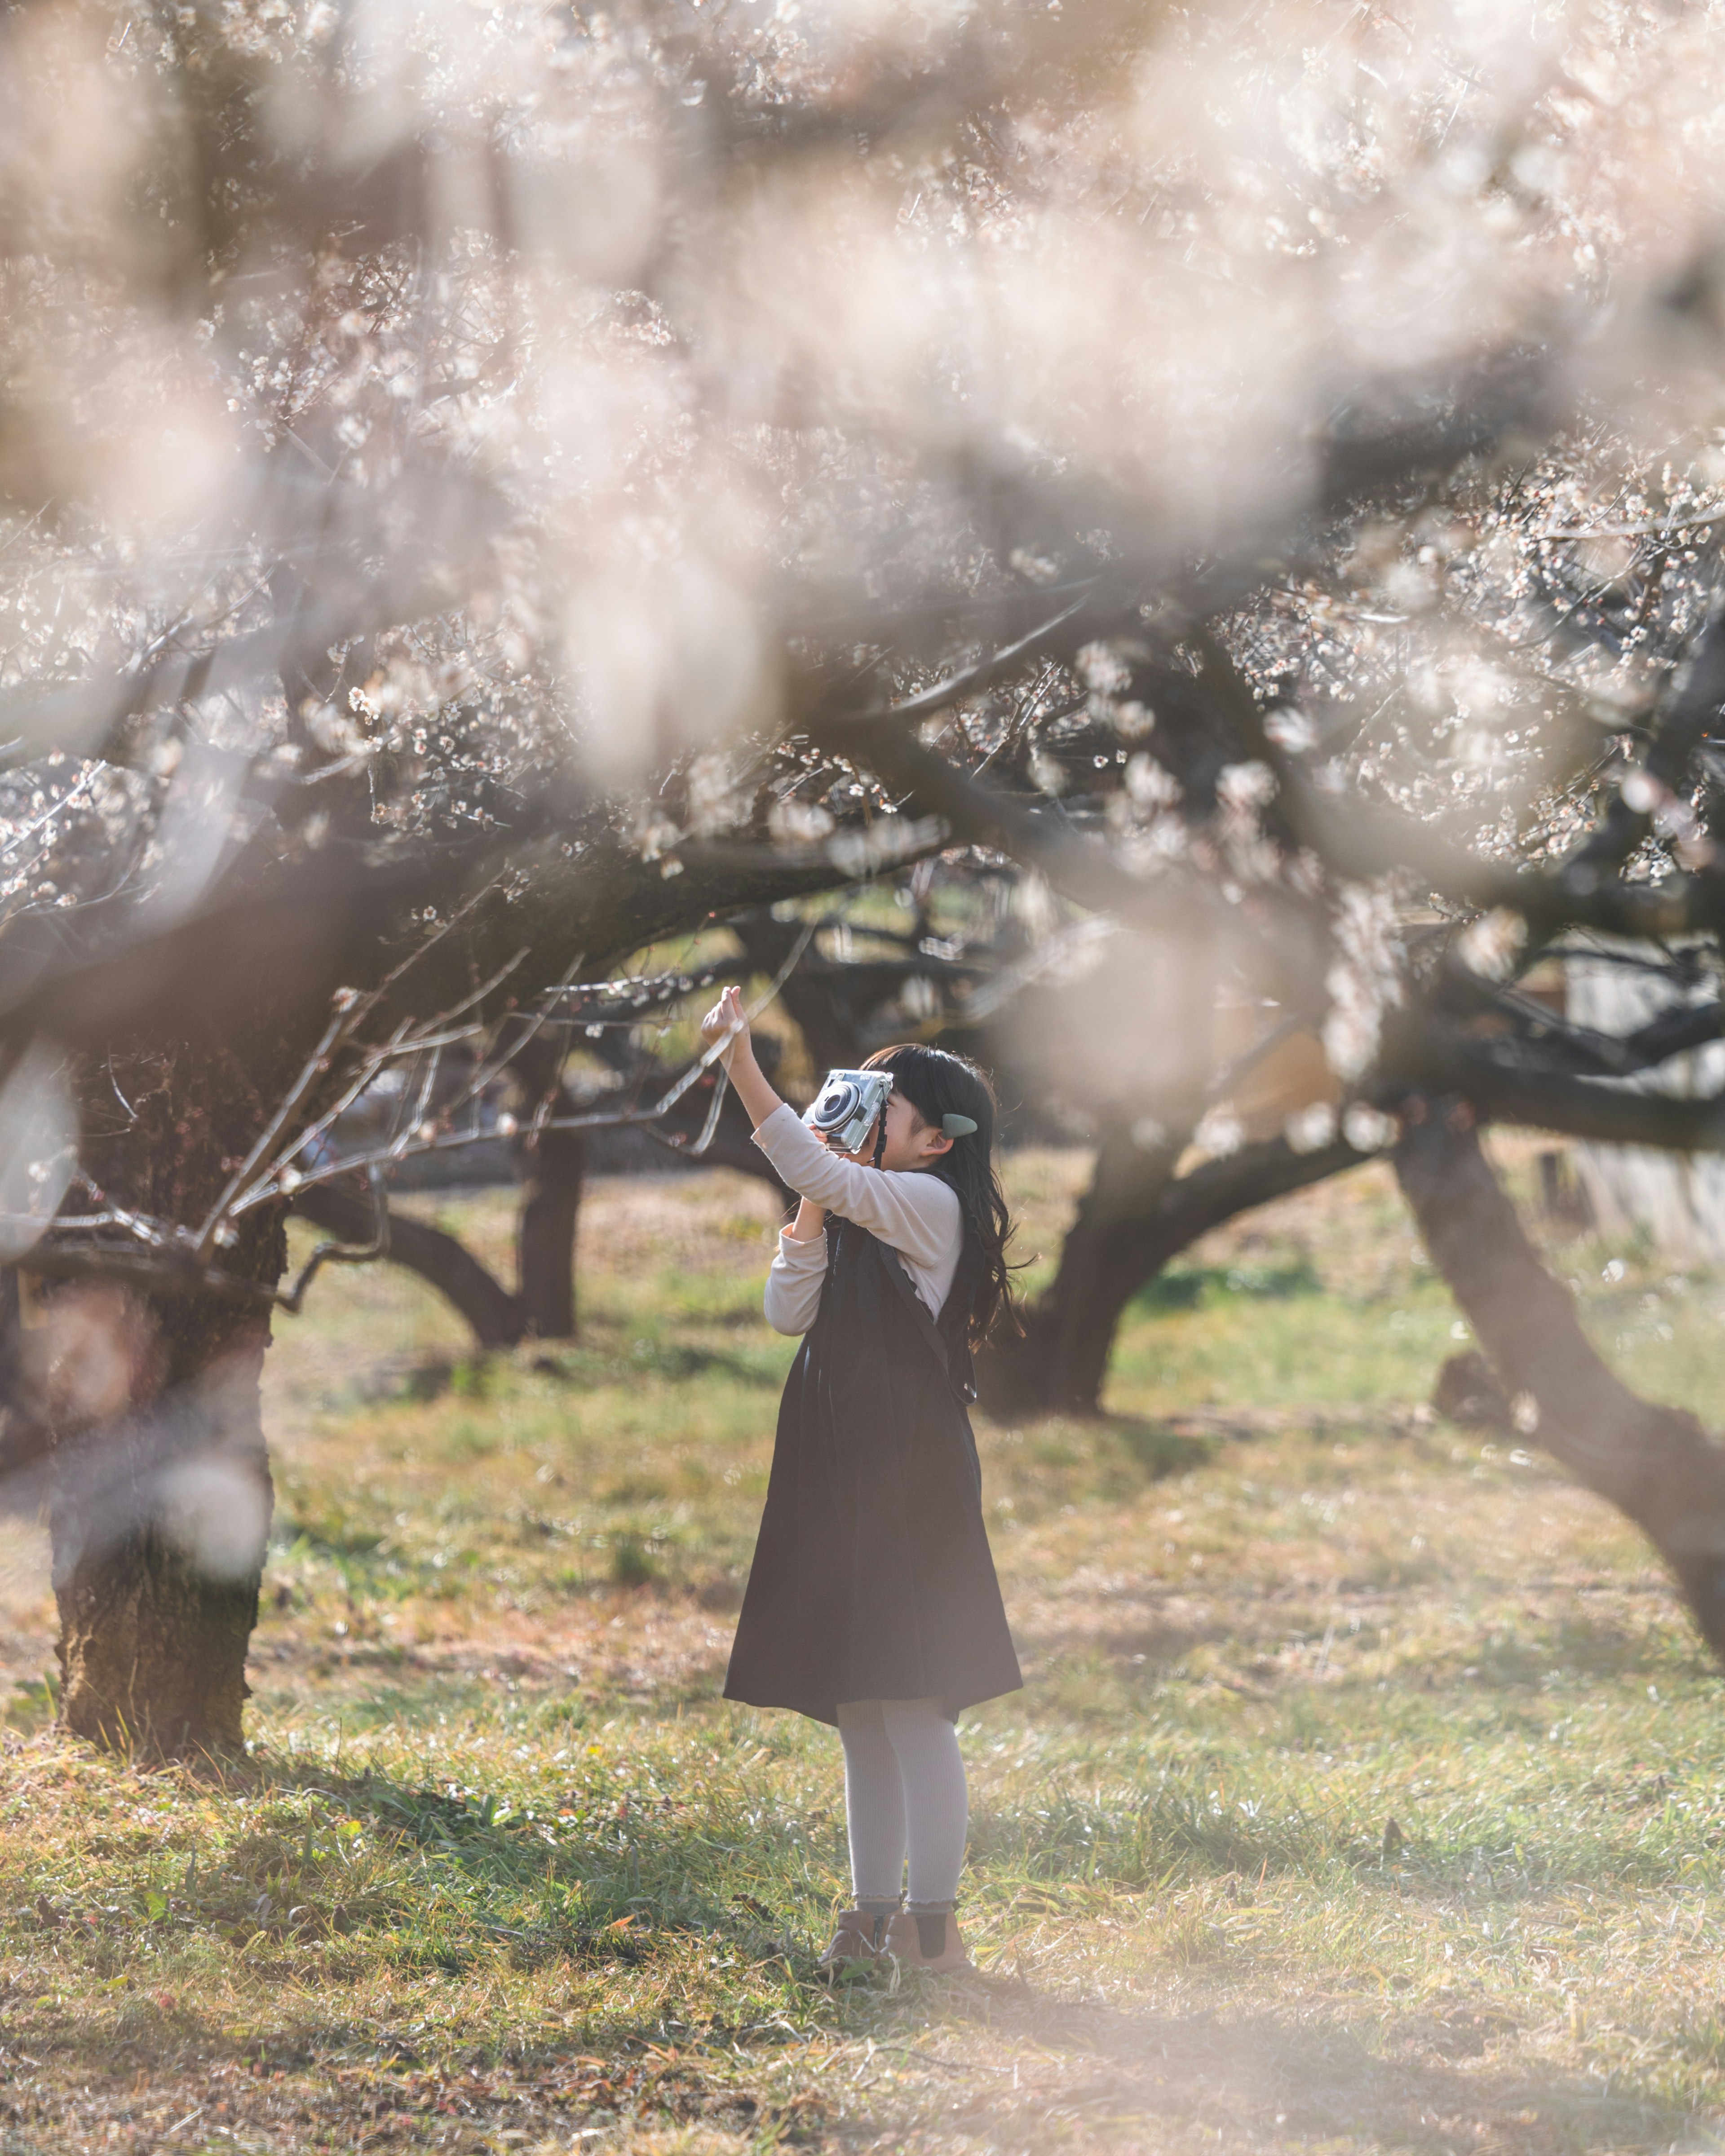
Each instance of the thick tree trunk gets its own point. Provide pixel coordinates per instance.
(1061, 1359)
(1656, 1464)
(160, 1516)
(1136, 1217)
(551, 1203)
(497, 1317)
(159, 1487)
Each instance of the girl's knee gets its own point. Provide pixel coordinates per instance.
(924, 1723)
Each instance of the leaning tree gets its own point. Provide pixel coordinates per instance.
(484, 497)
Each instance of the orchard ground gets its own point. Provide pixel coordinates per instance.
(1367, 1790)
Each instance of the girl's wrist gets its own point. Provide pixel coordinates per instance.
(756, 1095)
(811, 1221)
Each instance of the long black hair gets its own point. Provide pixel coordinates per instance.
(937, 1084)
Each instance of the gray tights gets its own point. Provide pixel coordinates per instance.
(904, 1789)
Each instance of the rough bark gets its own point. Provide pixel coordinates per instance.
(495, 1315)
(1656, 1464)
(160, 1516)
(159, 1487)
(551, 1203)
(1136, 1217)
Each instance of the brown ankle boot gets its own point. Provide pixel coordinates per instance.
(927, 1942)
(859, 1939)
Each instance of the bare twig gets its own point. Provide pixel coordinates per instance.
(349, 1254)
(409, 1143)
(314, 1066)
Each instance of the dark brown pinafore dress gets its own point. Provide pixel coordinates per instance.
(872, 1578)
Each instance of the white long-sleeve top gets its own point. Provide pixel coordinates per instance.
(916, 1213)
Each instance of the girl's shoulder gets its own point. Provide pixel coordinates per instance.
(931, 1195)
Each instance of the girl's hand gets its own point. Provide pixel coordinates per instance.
(727, 1021)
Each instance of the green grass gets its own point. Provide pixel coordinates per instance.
(1367, 1790)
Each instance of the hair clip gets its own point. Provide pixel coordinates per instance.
(957, 1126)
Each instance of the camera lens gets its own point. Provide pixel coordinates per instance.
(836, 1104)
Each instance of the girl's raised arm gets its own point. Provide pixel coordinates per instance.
(916, 1214)
(727, 1021)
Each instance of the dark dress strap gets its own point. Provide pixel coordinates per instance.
(952, 1354)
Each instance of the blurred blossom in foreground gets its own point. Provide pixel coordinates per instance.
(704, 330)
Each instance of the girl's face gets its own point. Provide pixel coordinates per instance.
(911, 1143)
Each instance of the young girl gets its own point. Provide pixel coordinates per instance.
(872, 1602)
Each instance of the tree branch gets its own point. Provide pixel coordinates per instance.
(446, 1263)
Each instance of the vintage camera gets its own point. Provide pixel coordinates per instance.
(844, 1109)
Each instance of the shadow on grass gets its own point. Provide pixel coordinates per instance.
(671, 1360)
(1156, 1447)
(583, 1878)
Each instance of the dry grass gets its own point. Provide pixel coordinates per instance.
(501, 1871)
